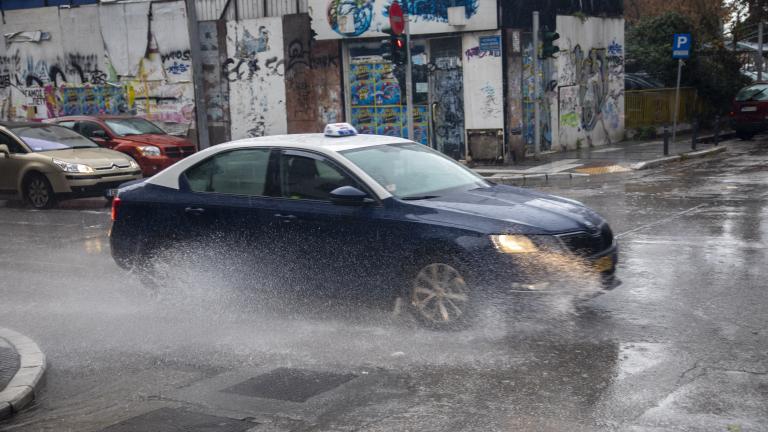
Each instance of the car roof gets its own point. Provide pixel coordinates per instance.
(318, 140)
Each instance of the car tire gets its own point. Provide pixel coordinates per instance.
(438, 295)
(745, 136)
(38, 192)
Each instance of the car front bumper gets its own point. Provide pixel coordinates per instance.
(151, 165)
(544, 274)
(89, 185)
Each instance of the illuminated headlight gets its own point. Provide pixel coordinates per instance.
(133, 164)
(73, 167)
(513, 244)
(149, 151)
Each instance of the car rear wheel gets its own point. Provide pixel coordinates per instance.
(38, 192)
(439, 296)
(745, 136)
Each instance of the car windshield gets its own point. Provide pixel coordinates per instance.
(755, 92)
(133, 126)
(51, 137)
(413, 171)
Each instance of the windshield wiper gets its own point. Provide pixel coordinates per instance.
(752, 97)
(419, 197)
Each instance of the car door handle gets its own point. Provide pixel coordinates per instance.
(286, 217)
(194, 211)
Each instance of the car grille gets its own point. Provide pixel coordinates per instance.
(588, 244)
(179, 152)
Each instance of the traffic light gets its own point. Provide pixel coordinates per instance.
(399, 51)
(548, 48)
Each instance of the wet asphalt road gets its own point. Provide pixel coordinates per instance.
(681, 345)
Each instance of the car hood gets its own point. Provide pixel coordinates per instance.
(510, 209)
(158, 140)
(95, 157)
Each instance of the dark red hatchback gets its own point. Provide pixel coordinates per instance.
(749, 114)
(150, 146)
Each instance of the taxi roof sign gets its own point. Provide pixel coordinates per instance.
(340, 130)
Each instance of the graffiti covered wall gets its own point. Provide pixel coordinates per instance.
(84, 63)
(483, 81)
(335, 19)
(312, 78)
(587, 105)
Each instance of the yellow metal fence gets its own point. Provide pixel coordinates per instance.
(654, 107)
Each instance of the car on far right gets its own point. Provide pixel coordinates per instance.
(749, 112)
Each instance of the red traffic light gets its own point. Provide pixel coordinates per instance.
(399, 43)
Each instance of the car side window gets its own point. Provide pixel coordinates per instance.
(87, 128)
(13, 146)
(311, 178)
(239, 172)
(67, 124)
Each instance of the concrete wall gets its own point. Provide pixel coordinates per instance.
(87, 61)
(255, 68)
(587, 105)
(483, 81)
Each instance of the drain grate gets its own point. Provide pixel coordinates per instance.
(293, 385)
(175, 420)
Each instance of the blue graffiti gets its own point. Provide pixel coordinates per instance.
(359, 11)
(435, 10)
(615, 49)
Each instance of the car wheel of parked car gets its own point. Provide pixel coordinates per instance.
(440, 297)
(745, 136)
(38, 192)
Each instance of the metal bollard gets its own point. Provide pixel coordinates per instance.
(666, 140)
(717, 129)
(694, 134)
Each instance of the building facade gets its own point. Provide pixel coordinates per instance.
(288, 66)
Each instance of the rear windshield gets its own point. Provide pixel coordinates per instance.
(755, 92)
(51, 137)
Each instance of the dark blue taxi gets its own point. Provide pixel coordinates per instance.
(369, 215)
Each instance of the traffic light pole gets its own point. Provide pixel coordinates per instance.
(408, 73)
(536, 88)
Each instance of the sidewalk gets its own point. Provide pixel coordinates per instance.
(22, 366)
(619, 157)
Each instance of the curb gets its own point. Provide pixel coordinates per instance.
(21, 390)
(683, 156)
(560, 178)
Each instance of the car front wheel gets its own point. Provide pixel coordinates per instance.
(439, 296)
(38, 192)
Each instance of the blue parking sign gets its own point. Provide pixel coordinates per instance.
(681, 46)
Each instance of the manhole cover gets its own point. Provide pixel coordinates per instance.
(175, 420)
(294, 385)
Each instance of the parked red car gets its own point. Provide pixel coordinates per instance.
(749, 114)
(149, 145)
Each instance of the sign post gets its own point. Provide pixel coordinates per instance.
(400, 23)
(681, 50)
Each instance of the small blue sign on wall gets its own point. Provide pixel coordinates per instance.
(491, 44)
(681, 46)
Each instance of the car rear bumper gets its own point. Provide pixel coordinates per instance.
(748, 124)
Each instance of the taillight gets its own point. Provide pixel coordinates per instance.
(115, 207)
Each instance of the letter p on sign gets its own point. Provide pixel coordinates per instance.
(681, 47)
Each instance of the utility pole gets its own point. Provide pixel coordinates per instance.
(201, 111)
(408, 72)
(677, 99)
(536, 88)
(760, 51)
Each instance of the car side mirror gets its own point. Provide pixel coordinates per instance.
(350, 196)
(99, 134)
(4, 151)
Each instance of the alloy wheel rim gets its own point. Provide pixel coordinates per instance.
(440, 293)
(38, 193)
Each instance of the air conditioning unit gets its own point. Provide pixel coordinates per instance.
(457, 16)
